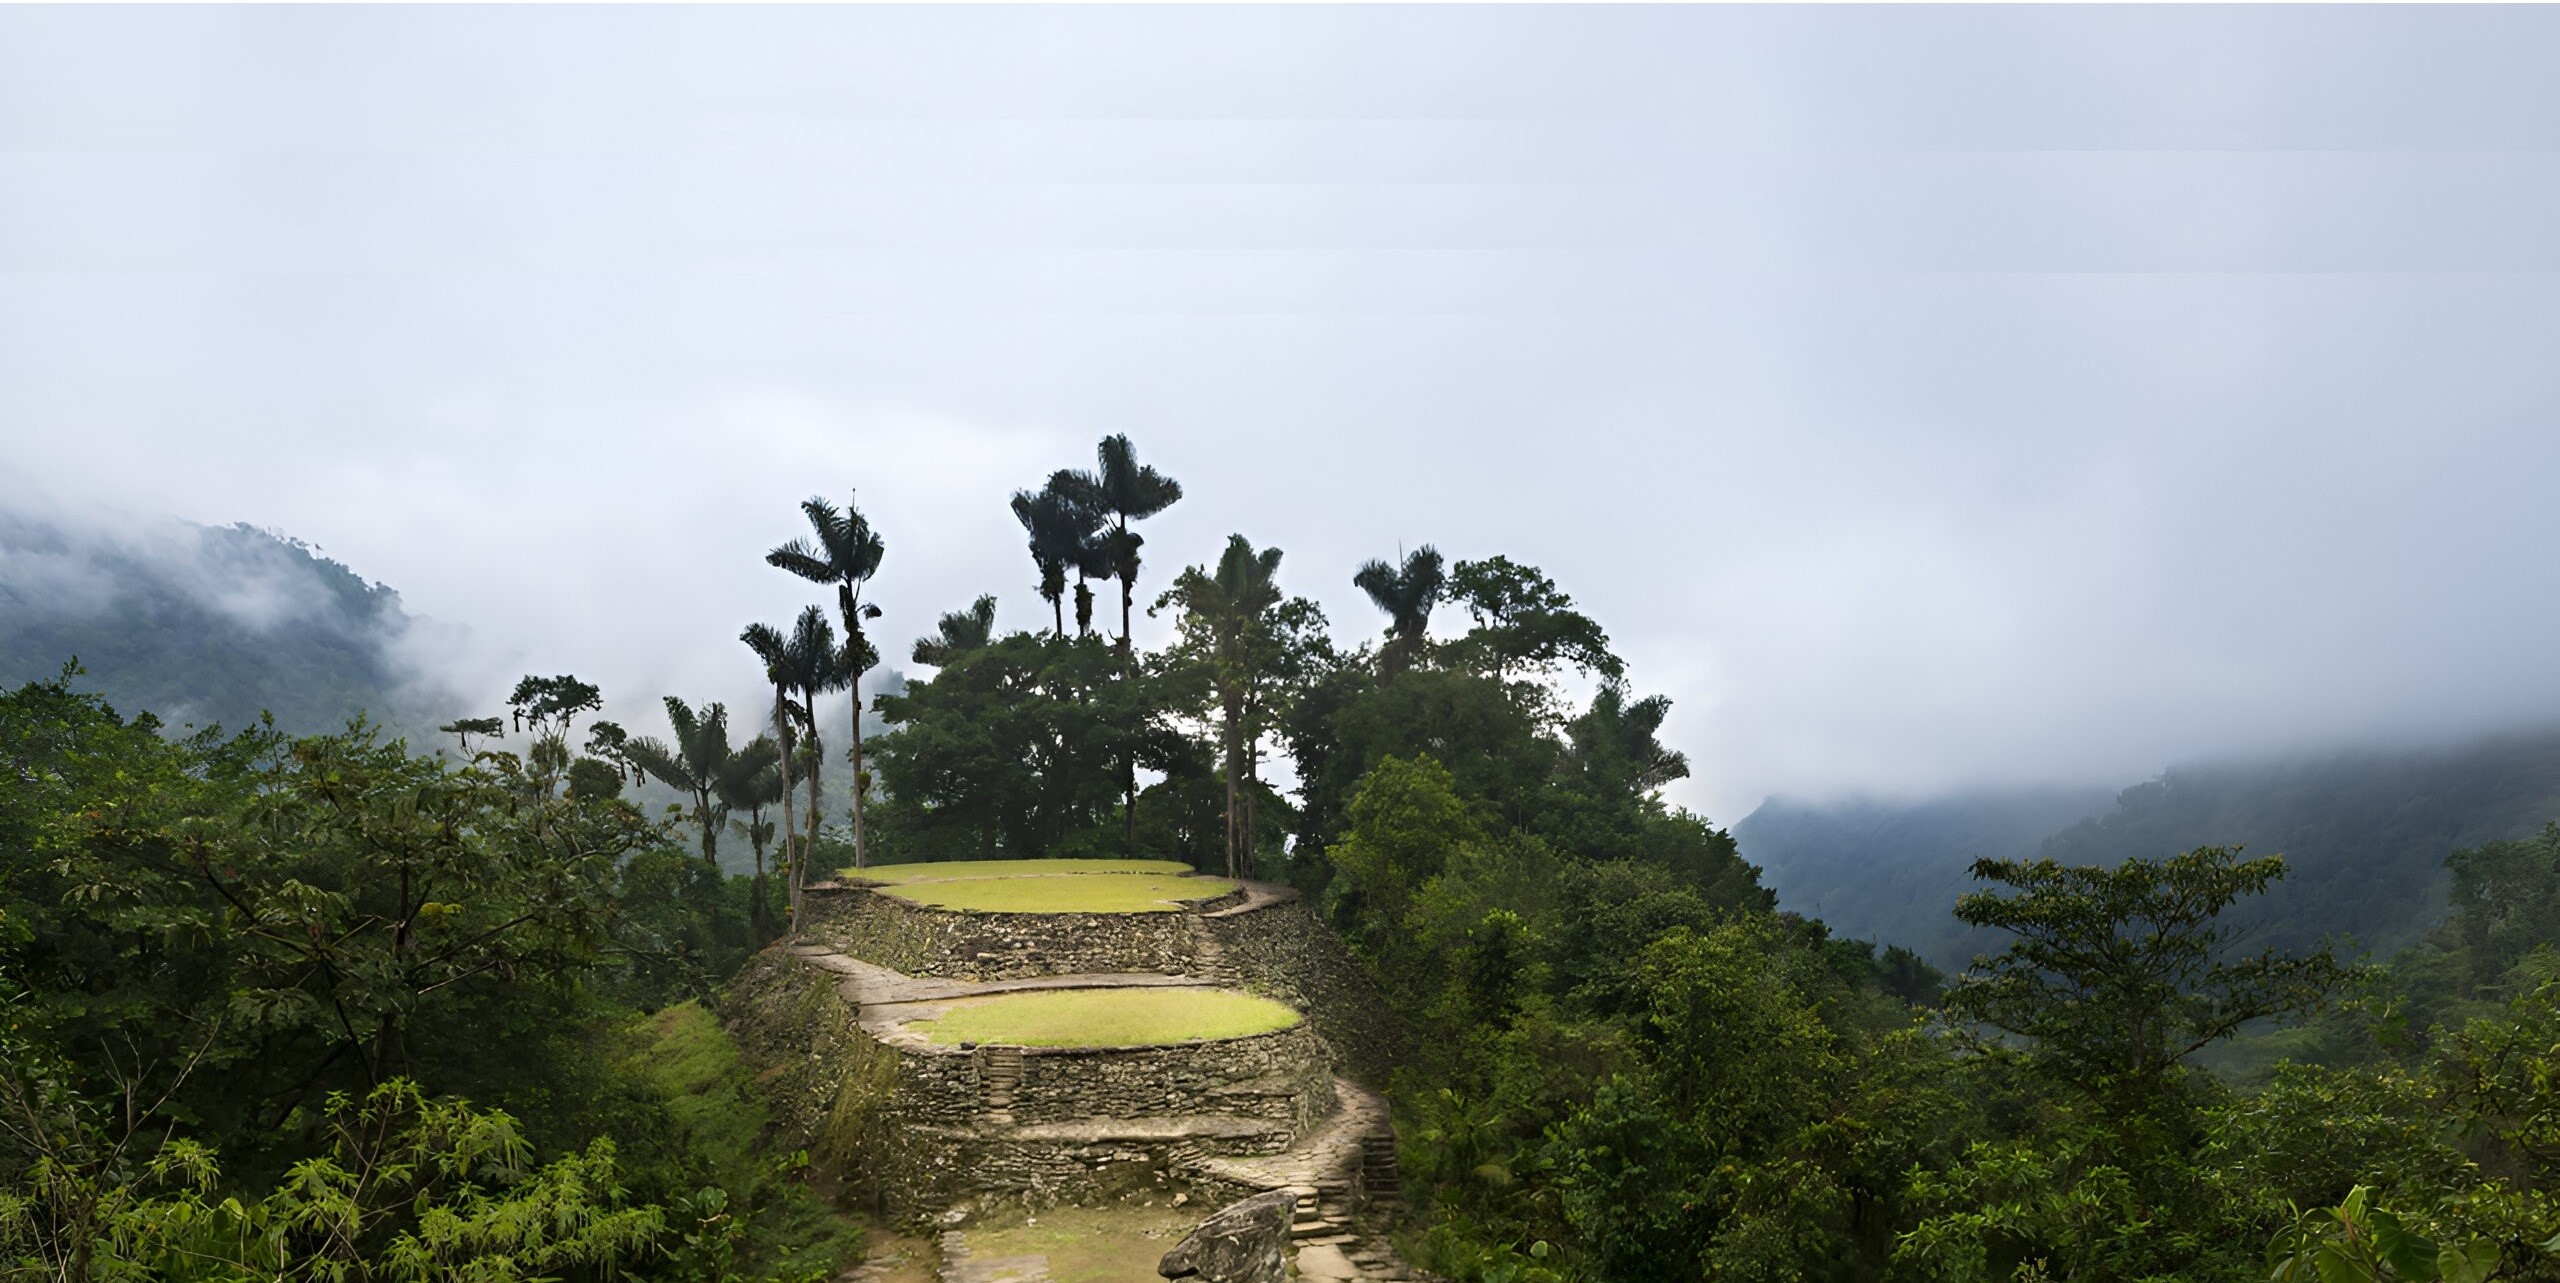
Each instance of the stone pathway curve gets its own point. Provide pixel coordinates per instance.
(1345, 1189)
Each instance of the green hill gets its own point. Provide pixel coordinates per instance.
(204, 624)
(1889, 871)
(2365, 833)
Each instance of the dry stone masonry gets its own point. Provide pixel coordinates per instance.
(920, 1127)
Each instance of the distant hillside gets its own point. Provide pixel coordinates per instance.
(1890, 871)
(2365, 835)
(203, 624)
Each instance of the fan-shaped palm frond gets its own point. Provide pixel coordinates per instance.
(1619, 738)
(692, 763)
(771, 646)
(1406, 593)
(841, 549)
(959, 633)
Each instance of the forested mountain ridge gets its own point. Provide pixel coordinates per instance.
(2364, 835)
(1886, 870)
(204, 624)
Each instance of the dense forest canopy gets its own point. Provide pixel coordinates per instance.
(340, 1006)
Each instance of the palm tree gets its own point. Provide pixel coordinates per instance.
(751, 781)
(1121, 491)
(1227, 611)
(959, 633)
(1057, 528)
(780, 669)
(693, 764)
(1617, 741)
(802, 664)
(1407, 594)
(844, 551)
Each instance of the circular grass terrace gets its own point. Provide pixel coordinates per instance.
(1046, 886)
(1137, 1017)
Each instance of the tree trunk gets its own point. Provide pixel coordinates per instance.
(756, 839)
(1234, 772)
(1128, 589)
(861, 856)
(817, 753)
(790, 823)
(710, 830)
(1252, 814)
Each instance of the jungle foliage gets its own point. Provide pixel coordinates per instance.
(336, 1007)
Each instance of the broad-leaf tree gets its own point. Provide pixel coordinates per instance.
(1524, 623)
(2117, 975)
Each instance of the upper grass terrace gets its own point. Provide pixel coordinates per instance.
(1045, 886)
(1106, 1018)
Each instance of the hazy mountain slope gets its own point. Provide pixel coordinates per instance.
(203, 624)
(2365, 835)
(1890, 870)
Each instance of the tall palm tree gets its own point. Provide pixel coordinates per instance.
(818, 667)
(842, 550)
(1057, 528)
(1407, 593)
(1227, 611)
(959, 633)
(749, 782)
(779, 668)
(1122, 490)
(693, 763)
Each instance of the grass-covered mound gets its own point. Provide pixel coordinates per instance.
(1069, 893)
(1105, 1017)
(952, 870)
(1046, 886)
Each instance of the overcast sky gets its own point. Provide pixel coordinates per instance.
(1920, 397)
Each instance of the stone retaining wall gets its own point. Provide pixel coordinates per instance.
(1282, 951)
(912, 1127)
(1276, 1077)
(922, 941)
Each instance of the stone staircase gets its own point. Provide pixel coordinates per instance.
(999, 1074)
(1348, 1189)
(1210, 953)
(1378, 1174)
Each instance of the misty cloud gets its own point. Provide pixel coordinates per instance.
(208, 624)
(1921, 397)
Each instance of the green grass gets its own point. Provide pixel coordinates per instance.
(1119, 893)
(948, 870)
(719, 1124)
(693, 1062)
(1114, 1244)
(1105, 1017)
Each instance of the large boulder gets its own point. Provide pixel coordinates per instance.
(1245, 1242)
